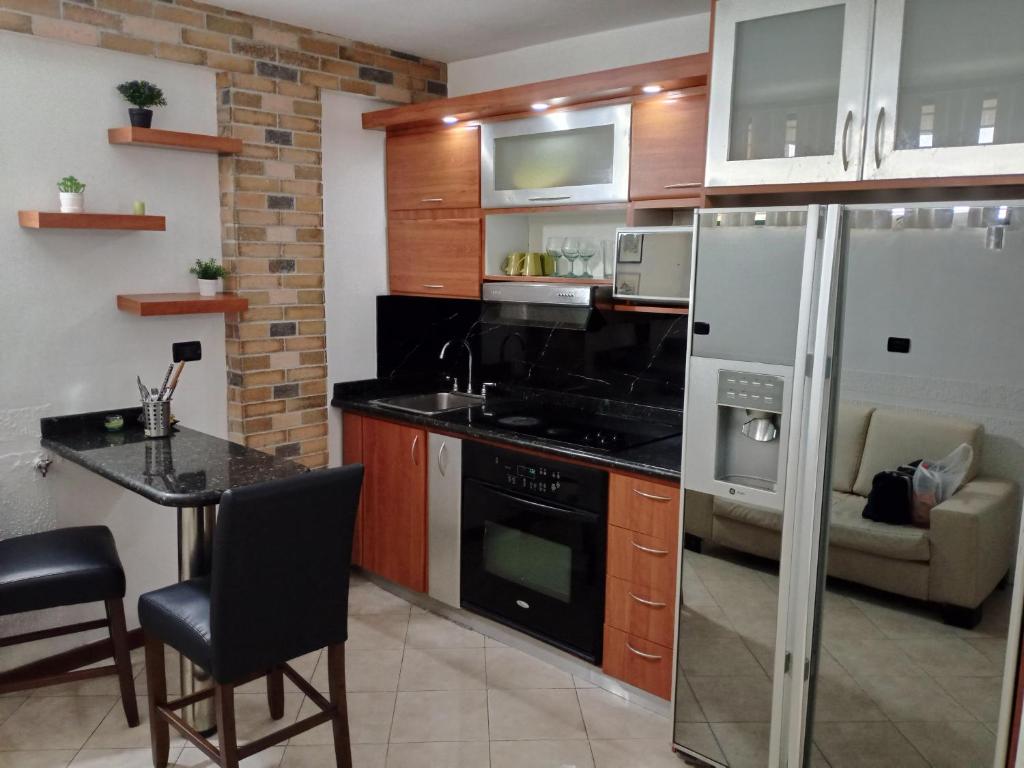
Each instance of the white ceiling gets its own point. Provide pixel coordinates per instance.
(451, 30)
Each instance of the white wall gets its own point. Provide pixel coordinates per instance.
(355, 244)
(578, 55)
(64, 347)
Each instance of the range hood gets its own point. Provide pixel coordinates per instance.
(540, 305)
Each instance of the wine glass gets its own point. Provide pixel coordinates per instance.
(571, 251)
(587, 251)
(553, 245)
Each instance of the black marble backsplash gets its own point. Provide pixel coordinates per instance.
(630, 357)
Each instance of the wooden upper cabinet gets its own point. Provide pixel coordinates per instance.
(395, 509)
(667, 147)
(435, 257)
(439, 169)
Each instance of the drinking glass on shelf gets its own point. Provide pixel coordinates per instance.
(553, 245)
(571, 251)
(588, 249)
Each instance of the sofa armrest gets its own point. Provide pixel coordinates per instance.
(972, 536)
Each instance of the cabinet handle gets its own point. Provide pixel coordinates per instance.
(641, 654)
(879, 125)
(415, 442)
(846, 140)
(649, 550)
(684, 186)
(556, 197)
(651, 496)
(440, 458)
(432, 285)
(650, 603)
(432, 200)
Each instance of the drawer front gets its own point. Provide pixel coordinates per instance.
(638, 662)
(439, 169)
(434, 257)
(640, 611)
(644, 506)
(640, 559)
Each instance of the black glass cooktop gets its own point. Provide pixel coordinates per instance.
(571, 426)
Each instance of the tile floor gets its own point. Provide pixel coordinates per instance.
(897, 687)
(423, 693)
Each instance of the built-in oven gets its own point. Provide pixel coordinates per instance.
(533, 545)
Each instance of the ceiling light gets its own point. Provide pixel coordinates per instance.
(559, 100)
(652, 89)
(539, 106)
(449, 119)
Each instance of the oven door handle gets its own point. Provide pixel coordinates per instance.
(548, 509)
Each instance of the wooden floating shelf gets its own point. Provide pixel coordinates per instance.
(51, 220)
(157, 304)
(546, 279)
(657, 309)
(187, 142)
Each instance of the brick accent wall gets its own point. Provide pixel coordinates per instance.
(269, 81)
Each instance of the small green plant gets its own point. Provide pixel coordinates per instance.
(142, 94)
(208, 269)
(70, 184)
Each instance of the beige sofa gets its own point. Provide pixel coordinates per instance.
(957, 562)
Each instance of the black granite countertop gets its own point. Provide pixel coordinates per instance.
(186, 469)
(660, 459)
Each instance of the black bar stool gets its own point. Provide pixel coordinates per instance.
(278, 589)
(68, 566)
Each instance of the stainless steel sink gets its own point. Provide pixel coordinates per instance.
(431, 403)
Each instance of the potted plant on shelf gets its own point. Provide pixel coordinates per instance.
(209, 273)
(143, 95)
(72, 195)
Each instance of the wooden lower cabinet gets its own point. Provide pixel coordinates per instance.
(638, 662)
(435, 256)
(352, 453)
(394, 525)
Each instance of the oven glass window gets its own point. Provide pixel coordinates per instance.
(539, 564)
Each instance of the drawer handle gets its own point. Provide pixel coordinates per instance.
(415, 458)
(432, 200)
(433, 285)
(650, 603)
(684, 186)
(642, 655)
(556, 197)
(649, 550)
(651, 496)
(441, 464)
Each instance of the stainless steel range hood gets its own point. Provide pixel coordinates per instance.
(540, 305)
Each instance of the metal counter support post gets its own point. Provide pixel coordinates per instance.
(195, 557)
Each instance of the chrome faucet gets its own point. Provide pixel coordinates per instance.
(469, 367)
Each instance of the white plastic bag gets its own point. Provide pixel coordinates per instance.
(936, 481)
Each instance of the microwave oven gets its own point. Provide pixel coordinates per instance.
(652, 264)
(563, 157)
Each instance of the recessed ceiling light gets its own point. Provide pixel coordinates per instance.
(539, 106)
(652, 89)
(449, 119)
(559, 100)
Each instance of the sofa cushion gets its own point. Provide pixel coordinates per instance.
(848, 528)
(898, 437)
(851, 429)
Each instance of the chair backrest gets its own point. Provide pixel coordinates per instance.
(282, 551)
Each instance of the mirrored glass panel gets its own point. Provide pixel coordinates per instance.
(926, 462)
(785, 90)
(961, 74)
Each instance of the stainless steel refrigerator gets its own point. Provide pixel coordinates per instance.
(831, 345)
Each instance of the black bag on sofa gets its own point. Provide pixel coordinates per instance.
(892, 496)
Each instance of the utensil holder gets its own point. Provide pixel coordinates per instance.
(158, 418)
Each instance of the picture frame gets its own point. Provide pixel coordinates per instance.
(630, 250)
(627, 284)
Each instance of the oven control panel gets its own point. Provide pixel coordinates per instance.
(533, 478)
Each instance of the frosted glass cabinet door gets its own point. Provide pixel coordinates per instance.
(788, 87)
(947, 89)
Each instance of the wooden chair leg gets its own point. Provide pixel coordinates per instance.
(156, 681)
(336, 682)
(123, 660)
(225, 704)
(275, 693)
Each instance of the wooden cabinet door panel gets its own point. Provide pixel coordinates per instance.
(643, 560)
(667, 147)
(395, 492)
(642, 611)
(638, 662)
(644, 506)
(439, 169)
(352, 453)
(435, 257)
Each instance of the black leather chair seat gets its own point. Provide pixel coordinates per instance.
(63, 567)
(179, 615)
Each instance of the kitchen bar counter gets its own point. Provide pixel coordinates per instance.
(186, 469)
(660, 459)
